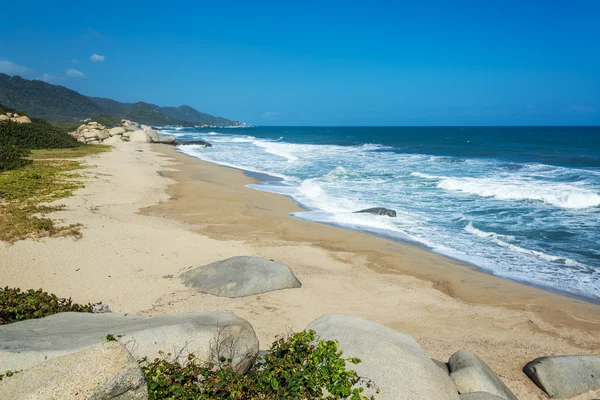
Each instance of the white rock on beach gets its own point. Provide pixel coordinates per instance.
(103, 372)
(102, 135)
(4, 117)
(27, 343)
(23, 119)
(90, 133)
(140, 137)
(395, 362)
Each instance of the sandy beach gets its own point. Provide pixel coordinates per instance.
(151, 213)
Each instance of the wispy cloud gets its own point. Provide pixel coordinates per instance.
(73, 73)
(92, 32)
(10, 68)
(270, 115)
(579, 109)
(97, 58)
(47, 77)
(74, 61)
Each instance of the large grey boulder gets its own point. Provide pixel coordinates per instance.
(166, 140)
(103, 372)
(565, 376)
(378, 211)
(241, 276)
(395, 362)
(116, 131)
(479, 396)
(471, 374)
(207, 335)
(113, 140)
(152, 134)
(139, 136)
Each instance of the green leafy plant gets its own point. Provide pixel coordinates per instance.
(13, 157)
(296, 367)
(17, 305)
(8, 374)
(39, 134)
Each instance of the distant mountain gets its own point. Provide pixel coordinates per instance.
(57, 103)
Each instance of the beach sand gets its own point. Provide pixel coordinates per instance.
(151, 213)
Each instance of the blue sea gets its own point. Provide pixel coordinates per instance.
(522, 203)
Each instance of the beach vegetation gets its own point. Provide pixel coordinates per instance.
(13, 157)
(25, 192)
(297, 366)
(38, 134)
(17, 305)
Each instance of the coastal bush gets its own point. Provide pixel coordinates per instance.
(37, 135)
(13, 157)
(296, 367)
(17, 305)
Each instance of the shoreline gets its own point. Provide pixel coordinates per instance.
(450, 286)
(151, 213)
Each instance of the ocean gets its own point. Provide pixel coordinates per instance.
(522, 203)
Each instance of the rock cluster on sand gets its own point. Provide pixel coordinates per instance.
(241, 276)
(106, 371)
(22, 119)
(65, 356)
(94, 133)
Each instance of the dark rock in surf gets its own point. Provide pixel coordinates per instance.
(378, 211)
(197, 142)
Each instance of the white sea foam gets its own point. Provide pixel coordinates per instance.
(500, 241)
(556, 194)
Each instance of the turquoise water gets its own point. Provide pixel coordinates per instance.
(522, 203)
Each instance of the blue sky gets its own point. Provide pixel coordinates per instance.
(323, 63)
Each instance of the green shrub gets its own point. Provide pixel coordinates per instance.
(12, 157)
(37, 135)
(16, 305)
(295, 368)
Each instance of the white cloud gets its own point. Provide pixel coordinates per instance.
(75, 61)
(10, 68)
(579, 109)
(92, 32)
(97, 58)
(270, 115)
(73, 73)
(50, 77)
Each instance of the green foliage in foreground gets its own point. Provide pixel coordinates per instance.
(295, 368)
(16, 305)
(12, 157)
(37, 135)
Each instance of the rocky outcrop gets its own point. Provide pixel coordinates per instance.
(103, 372)
(241, 276)
(565, 376)
(92, 133)
(378, 211)
(207, 335)
(470, 374)
(392, 360)
(14, 117)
